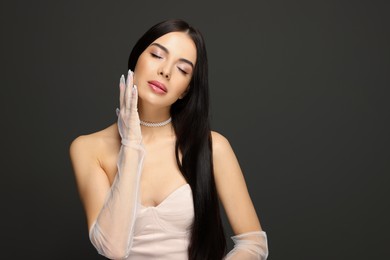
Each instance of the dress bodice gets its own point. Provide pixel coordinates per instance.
(163, 231)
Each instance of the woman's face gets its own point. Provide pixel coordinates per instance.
(164, 70)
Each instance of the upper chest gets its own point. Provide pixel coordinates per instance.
(159, 158)
(160, 173)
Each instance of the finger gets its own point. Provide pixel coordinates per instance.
(127, 98)
(134, 100)
(122, 86)
(129, 82)
(129, 87)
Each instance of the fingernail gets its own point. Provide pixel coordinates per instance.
(122, 80)
(130, 73)
(135, 88)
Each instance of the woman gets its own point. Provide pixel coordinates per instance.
(150, 184)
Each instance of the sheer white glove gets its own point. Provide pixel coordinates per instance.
(112, 232)
(128, 121)
(249, 246)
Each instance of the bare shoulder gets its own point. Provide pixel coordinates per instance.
(223, 155)
(95, 142)
(221, 145)
(94, 150)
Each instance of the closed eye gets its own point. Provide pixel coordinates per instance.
(183, 71)
(155, 55)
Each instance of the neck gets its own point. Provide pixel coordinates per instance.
(154, 114)
(151, 113)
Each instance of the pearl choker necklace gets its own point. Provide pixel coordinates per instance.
(150, 124)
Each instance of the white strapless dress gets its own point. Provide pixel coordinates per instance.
(163, 232)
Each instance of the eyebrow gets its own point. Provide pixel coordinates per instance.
(167, 51)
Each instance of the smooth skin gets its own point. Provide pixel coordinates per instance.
(94, 156)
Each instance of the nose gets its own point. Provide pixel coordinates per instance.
(164, 71)
(166, 75)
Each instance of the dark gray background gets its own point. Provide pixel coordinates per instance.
(300, 88)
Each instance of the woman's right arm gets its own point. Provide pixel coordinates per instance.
(111, 211)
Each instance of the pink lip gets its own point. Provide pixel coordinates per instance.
(157, 86)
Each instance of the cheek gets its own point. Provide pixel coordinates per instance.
(139, 67)
(139, 73)
(182, 87)
(141, 64)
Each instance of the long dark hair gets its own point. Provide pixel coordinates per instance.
(191, 122)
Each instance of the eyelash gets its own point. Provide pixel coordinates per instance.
(183, 71)
(156, 56)
(159, 57)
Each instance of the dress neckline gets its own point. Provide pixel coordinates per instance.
(167, 198)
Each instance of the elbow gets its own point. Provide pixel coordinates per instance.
(112, 249)
(112, 252)
(119, 255)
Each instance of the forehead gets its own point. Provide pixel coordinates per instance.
(179, 44)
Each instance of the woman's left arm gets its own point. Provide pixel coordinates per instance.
(250, 242)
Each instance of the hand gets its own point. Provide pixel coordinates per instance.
(128, 118)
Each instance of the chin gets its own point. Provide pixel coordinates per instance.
(152, 100)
